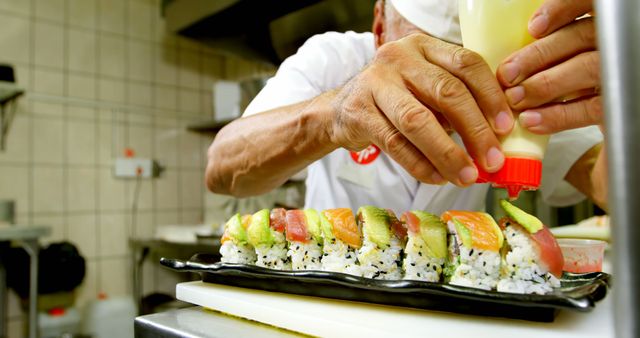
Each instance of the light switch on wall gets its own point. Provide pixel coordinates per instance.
(134, 167)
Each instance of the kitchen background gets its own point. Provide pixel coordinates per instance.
(101, 76)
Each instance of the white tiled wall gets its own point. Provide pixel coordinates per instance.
(102, 75)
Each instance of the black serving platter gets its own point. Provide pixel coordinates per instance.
(578, 292)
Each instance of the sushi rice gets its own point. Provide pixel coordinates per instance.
(237, 253)
(471, 267)
(521, 272)
(339, 257)
(418, 265)
(274, 256)
(305, 256)
(378, 263)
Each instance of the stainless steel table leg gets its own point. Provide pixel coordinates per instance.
(31, 246)
(4, 297)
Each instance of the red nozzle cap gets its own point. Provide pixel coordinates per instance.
(56, 312)
(517, 174)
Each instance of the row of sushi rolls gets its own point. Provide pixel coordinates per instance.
(518, 254)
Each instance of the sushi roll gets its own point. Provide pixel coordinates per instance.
(305, 239)
(532, 261)
(380, 255)
(475, 241)
(268, 239)
(234, 245)
(426, 251)
(342, 238)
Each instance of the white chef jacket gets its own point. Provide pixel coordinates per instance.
(329, 60)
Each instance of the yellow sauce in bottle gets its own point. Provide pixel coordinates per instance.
(495, 29)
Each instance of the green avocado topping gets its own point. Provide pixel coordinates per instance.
(326, 227)
(464, 233)
(375, 225)
(313, 224)
(235, 230)
(434, 233)
(259, 232)
(529, 222)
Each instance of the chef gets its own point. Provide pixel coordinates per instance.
(396, 117)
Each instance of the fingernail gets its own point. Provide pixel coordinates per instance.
(538, 25)
(437, 178)
(504, 121)
(515, 95)
(530, 119)
(495, 158)
(510, 72)
(468, 175)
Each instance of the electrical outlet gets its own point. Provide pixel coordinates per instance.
(134, 167)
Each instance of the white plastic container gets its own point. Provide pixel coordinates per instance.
(58, 321)
(495, 29)
(109, 317)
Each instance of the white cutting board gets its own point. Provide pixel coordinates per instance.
(336, 318)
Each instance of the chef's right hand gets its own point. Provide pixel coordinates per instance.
(407, 97)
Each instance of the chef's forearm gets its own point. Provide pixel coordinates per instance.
(589, 175)
(258, 153)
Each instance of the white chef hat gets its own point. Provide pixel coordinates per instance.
(438, 18)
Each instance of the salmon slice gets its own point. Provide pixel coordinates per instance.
(344, 226)
(277, 219)
(485, 233)
(297, 226)
(398, 228)
(546, 245)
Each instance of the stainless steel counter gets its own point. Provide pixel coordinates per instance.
(198, 322)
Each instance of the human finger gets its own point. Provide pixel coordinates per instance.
(541, 54)
(393, 143)
(437, 88)
(579, 73)
(554, 14)
(476, 75)
(420, 127)
(563, 116)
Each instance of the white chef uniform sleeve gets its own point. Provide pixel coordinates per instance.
(564, 149)
(301, 76)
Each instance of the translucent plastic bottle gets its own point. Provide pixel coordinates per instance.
(495, 29)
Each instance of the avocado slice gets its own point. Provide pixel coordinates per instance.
(326, 228)
(434, 233)
(259, 232)
(235, 230)
(376, 225)
(529, 222)
(313, 224)
(464, 233)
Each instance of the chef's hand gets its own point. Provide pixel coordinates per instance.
(555, 80)
(407, 100)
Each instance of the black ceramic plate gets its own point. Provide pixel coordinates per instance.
(578, 292)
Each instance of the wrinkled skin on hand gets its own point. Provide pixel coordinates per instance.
(555, 80)
(415, 91)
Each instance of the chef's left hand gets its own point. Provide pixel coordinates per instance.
(555, 80)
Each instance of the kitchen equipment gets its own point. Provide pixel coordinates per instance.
(578, 292)
(495, 29)
(322, 317)
(8, 93)
(109, 317)
(582, 255)
(58, 322)
(7, 212)
(618, 36)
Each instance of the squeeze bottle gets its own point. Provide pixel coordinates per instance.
(495, 29)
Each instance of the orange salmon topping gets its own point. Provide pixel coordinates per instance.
(344, 226)
(480, 225)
